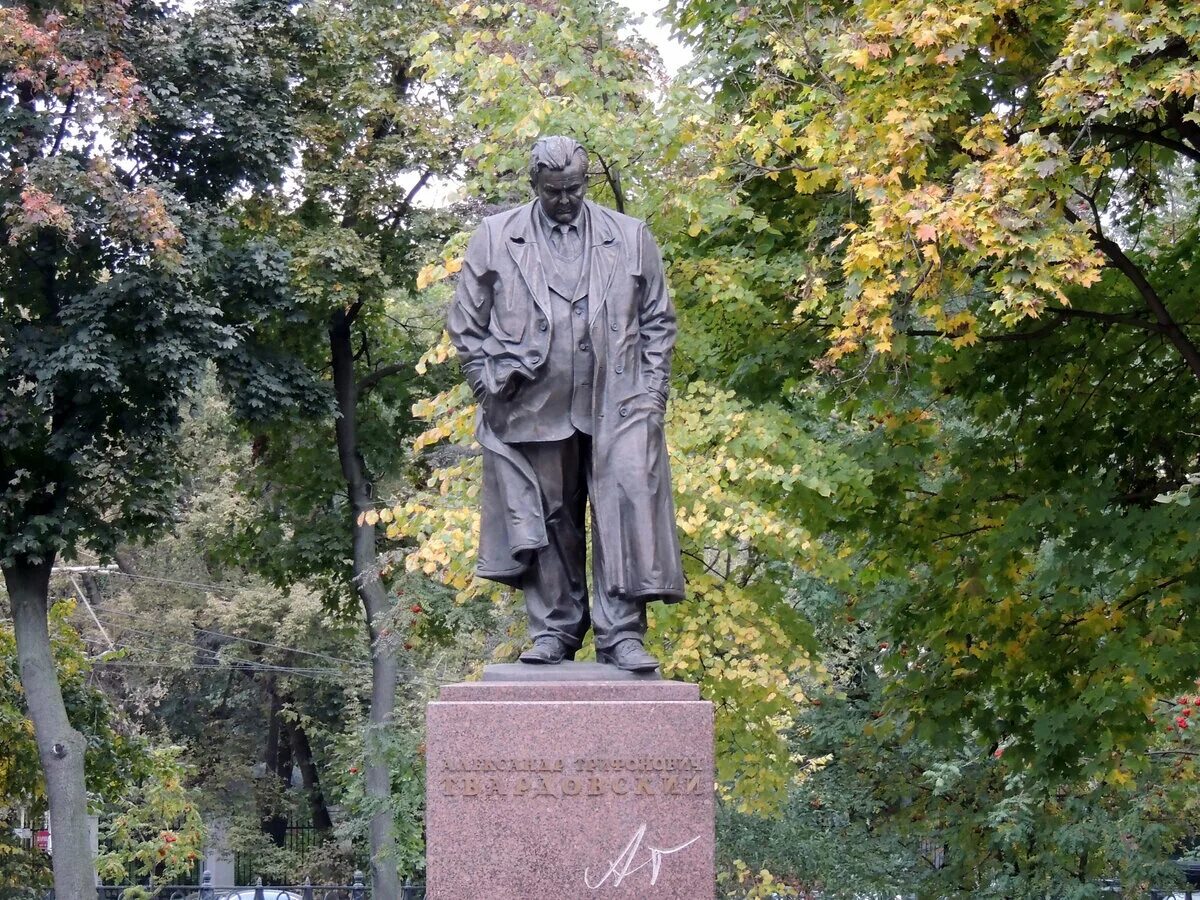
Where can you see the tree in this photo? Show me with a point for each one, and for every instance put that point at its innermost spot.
(984, 214)
(751, 481)
(117, 764)
(990, 142)
(945, 819)
(249, 680)
(346, 244)
(105, 325)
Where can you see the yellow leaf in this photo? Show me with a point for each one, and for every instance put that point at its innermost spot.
(1120, 777)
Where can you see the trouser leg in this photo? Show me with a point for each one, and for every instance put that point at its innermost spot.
(555, 585)
(615, 616)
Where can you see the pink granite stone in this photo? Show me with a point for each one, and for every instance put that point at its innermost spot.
(561, 691)
(563, 790)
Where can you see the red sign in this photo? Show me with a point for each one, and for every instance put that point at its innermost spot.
(41, 840)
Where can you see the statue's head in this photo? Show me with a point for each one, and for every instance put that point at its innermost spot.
(558, 172)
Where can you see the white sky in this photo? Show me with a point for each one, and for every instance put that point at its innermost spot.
(674, 54)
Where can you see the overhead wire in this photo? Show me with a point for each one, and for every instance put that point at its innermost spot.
(332, 676)
(316, 674)
(233, 637)
(215, 659)
(213, 632)
(409, 674)
(215, 588)
(212, 656)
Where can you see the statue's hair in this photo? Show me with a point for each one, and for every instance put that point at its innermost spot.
(555, 153)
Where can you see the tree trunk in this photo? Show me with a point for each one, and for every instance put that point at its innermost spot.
(385, 879)
(276, 758)
(302, 752)
(59, 745)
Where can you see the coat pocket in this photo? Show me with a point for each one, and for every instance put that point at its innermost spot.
(510, 316)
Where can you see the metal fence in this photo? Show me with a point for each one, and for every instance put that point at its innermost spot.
(296, 838)
(206, 890)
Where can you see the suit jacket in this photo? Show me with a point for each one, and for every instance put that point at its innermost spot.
(500, 324)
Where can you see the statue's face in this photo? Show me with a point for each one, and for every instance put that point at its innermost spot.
(561, 191)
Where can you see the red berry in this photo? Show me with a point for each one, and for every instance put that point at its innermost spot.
(1181, 722)
(416, 607)
(1187, 712)
(354, 770)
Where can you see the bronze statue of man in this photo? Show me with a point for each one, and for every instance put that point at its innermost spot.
(564, 328)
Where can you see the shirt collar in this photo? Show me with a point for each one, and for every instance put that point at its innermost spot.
(548, 225)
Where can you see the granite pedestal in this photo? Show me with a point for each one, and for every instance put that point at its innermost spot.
(569, 781)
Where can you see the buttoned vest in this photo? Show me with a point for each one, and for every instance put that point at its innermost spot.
(568, 372)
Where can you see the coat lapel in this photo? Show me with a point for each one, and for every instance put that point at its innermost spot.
(521, 242)
(604, 252)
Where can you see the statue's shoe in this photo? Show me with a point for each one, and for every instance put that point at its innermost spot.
(629, 655)
(547, 651)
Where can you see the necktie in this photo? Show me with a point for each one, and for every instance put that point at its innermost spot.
(566, 240)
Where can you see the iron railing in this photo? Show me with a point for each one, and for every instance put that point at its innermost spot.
(206, 890)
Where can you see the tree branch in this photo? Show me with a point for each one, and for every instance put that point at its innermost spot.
(406, 203)
(1153, 137)
(372, 379)
(68, 107)
(612, 175)
(1169, 327)
(1131, 319)
(991, 338)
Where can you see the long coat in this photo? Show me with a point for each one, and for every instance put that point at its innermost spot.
(500, 323)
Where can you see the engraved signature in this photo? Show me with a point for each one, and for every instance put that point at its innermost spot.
(626, 862)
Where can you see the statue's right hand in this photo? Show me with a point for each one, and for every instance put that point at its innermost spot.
(511, 385)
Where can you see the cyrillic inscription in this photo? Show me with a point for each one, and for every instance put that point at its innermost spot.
(558, 779)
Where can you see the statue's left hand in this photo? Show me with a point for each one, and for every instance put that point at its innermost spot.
(660, 403)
